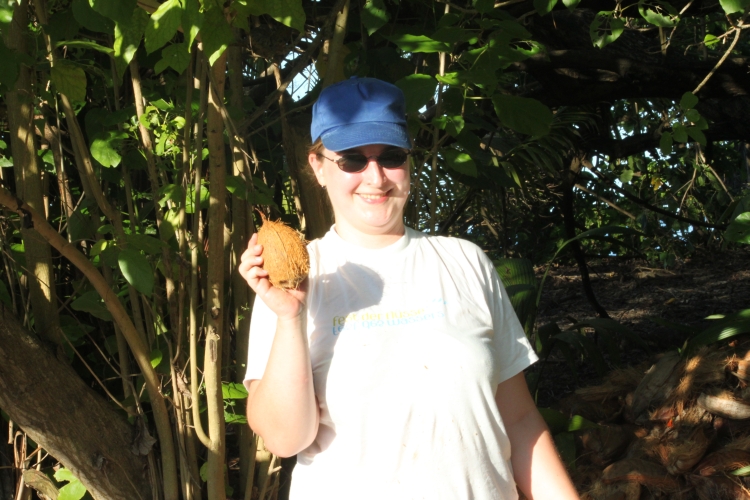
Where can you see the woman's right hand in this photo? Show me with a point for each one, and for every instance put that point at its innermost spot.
(286, 304)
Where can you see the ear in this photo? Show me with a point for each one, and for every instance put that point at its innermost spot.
(317, 167)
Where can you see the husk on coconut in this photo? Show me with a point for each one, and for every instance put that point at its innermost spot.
(285, 254)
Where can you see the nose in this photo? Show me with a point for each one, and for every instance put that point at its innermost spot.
(373, 173)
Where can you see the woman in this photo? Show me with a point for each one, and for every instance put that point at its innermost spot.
(395, 372)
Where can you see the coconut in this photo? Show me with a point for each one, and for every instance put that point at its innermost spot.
(285, 256)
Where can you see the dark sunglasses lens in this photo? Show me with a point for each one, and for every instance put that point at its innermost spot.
(352, 163)
(392, 159)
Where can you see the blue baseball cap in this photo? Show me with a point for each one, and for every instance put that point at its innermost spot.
(358, 112)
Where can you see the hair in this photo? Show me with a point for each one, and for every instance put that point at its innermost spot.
(316, 147)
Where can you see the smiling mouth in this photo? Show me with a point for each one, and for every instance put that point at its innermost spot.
(373, 196)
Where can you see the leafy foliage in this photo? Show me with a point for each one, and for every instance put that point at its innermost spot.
(498, 145)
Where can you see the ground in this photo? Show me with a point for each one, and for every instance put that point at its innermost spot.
(632, 291)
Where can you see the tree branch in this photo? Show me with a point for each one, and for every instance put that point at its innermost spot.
(645, 204)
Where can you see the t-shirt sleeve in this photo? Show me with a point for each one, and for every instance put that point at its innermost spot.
(512, 348)
(262, 330)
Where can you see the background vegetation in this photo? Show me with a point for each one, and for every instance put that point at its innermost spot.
(139, 139)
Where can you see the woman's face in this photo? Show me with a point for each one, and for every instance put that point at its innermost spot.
(368, 205)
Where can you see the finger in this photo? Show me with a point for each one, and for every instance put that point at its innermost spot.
(253, 241)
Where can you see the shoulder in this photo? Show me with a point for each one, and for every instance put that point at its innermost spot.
(450, 247)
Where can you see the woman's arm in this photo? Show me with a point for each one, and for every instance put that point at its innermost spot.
(281, 406)
(537, 468)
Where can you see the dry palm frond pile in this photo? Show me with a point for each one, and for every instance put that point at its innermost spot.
(679, 429)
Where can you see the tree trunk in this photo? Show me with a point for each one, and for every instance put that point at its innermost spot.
(51, 403)
(215, 290)
(20, 105)
(568, 212)
(242, 228)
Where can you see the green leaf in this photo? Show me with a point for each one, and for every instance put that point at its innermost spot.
(605, 28)
(156, 357)
(62, 25)
(744, 471)
(679, 133)
(74, 490)
(519, 280)
(62, 475)
(82, 44)
(566, 447)
(693, 115)
(451, 124)
(287, 12)
(162, 25)
(81, 225)
(117, 10)
(5, 297)
(69, 80)
(190, 199)
(544, 7)
(418, 90)
(147, 243)
(688, 101)
(128, 36)
(448, 19)
(739, 230)
(90, 302)
(524, 115)
(99, 247)
(192, 20)
(234, 418)
(658, 13)
(374, 15)
(418, 43)
(555, 420)
(232, 390)
(697, 135)
(237, 186)
(665, 143)
(110, 344)
(170, 223)
(577, 423)
(571, 4)
(454, 35)
(137, 270)
(105, 145)
(626, 176)
(175, 56)
(91, 19)
(732, 6)
(460, 162)
(483, 6)
(216, 33)
(710, 40)
(720, 330)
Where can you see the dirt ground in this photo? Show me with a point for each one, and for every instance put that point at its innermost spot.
(633, 291)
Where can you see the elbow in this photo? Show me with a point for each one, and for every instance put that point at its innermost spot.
(285, 445)
(287, 441)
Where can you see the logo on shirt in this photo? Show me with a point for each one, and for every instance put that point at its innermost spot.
(375, 319)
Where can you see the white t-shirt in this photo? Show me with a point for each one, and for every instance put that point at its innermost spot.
(408, 345)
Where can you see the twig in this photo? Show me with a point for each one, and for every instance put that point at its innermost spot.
(605, 200)
(647, 205)
(737, 31)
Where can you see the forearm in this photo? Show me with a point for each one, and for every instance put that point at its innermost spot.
(282, 406)
(537, 468)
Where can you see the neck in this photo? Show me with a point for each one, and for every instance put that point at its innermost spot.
(371, 241)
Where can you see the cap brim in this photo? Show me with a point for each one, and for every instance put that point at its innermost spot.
(355, 135)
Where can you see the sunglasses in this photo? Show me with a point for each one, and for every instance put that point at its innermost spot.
(353, 163)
